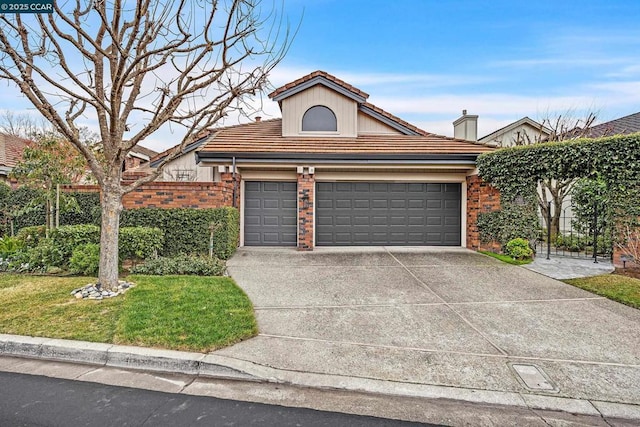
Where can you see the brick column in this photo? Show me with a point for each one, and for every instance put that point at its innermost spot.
(227, 189)
(306, 184)
(481, 197)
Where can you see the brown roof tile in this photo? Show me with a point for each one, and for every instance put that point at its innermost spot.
(397, 119)
(266, 137)
(319, 73)
(11, 149)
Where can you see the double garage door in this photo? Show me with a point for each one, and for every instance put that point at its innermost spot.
(356, 214)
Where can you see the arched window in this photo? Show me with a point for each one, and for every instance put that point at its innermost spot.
(319, 119)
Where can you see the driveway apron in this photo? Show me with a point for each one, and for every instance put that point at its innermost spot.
(435, 316)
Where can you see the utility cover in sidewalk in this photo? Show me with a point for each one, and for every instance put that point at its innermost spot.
(533, 377)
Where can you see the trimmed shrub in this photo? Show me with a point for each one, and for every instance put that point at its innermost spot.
(31, 236)
(39, 258)
(187, 231)
(67, 237)
(518, 249)
(85, 260)
(182, 264)
(511, 222)
(138, 243)
(226, 232)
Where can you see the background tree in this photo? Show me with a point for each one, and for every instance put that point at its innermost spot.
(134, 67)
(561, 127)
(48, 162)
(23, 125)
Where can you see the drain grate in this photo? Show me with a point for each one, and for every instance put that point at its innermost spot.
(533, 377)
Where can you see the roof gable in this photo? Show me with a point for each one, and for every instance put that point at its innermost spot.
(523, 121)
(322, 78)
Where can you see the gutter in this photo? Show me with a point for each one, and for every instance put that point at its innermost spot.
(422, 159)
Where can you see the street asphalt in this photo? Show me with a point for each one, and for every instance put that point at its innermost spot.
(426, 323)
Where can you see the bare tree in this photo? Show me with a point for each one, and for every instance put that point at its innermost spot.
(134, 67)
(23, 125)
(562, 127)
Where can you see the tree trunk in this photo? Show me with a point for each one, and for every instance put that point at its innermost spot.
(111, 204)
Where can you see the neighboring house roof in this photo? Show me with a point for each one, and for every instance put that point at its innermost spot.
(155, 160)
(264, 140)
(11, 149)
(144, 152)
(510, 127)
(623, 125)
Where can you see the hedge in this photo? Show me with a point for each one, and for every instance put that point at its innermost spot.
(187, 231)
(135, 242)
(31, 212)
(516, 170)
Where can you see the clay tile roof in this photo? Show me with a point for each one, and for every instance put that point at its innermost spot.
(11, 149)
(396, 119)
(623, 125)
(266, 137)
(315, 74)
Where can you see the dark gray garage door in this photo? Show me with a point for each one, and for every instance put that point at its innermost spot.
(270, 213)
(360, 213)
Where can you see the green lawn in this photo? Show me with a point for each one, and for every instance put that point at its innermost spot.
(506, 258)
(176, 312)
(625, 290)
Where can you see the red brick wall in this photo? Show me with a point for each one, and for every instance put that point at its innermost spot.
(306, 184)
(481, 197)
(618, 254)
(169, 195)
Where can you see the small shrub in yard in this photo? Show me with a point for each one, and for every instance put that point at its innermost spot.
(137, 243)
(182, 264)
(9, 246)
(67, 237)
(518, 249)
(31, 236)
(37, 259)
(85, 259)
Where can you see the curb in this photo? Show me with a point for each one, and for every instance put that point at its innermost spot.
(221, 367)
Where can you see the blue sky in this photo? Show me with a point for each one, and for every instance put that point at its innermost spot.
(427, 60)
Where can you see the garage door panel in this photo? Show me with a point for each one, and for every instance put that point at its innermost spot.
(389, 214)
(434, 220)
(270, 213)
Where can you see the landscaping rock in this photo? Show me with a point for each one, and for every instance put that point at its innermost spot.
(93, 291)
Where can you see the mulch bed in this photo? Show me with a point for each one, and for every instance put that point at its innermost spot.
(629, 272)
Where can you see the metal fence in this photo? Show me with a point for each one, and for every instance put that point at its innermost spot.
(574, 237)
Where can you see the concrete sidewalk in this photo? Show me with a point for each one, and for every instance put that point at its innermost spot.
(566, 267)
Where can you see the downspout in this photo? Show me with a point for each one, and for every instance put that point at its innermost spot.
(235, 183)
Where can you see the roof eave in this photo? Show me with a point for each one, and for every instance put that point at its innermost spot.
(408, 158)
(323, 81)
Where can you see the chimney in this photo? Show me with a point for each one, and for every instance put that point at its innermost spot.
(258, 119)
(466, 127)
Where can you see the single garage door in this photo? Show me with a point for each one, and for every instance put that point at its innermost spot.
(414, 214)
(270, 213)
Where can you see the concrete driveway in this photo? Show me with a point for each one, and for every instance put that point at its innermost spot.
(436, 317)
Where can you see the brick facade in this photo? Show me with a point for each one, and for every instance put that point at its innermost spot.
(306, 185)
(619, 255)
(170, 195)
(481, 197)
